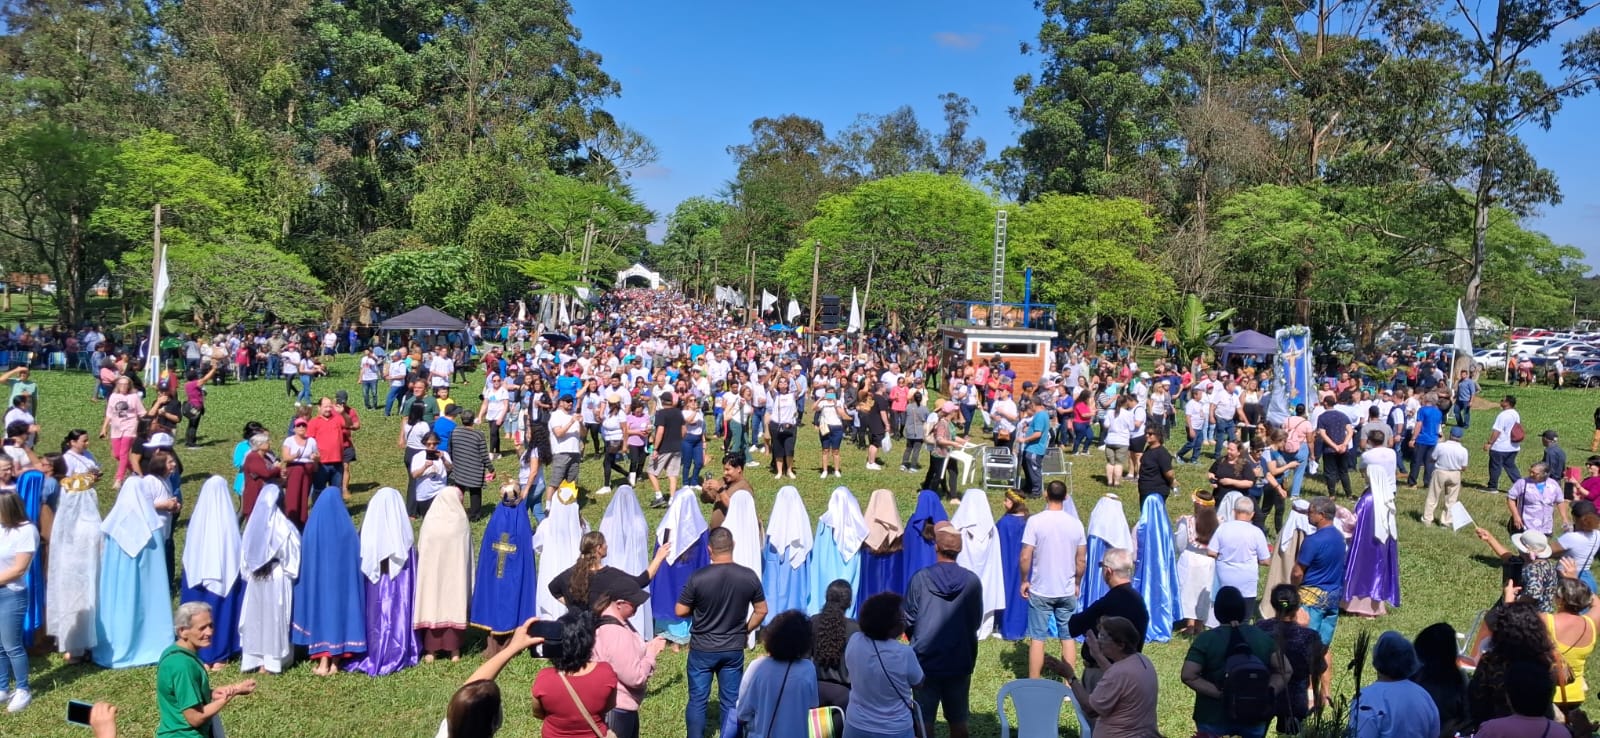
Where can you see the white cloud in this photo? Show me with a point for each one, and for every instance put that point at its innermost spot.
(956, 40)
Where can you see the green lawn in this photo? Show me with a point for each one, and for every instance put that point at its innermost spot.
(1445, 577)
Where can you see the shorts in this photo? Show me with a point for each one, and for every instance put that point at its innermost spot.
(668, 465)
(1136, 445)
(953, 691)
(1117, 455)
(1323, 621)
(1042, 609)
(833, 438)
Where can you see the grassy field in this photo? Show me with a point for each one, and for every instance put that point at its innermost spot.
(1445, 576)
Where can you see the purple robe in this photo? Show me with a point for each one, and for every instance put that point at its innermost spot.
(1371, 569)
(391, 643)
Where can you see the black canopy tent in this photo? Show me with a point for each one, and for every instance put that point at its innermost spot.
(422, 319)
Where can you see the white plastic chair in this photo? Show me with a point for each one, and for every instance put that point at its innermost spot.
(963, 457)
(1038, 703)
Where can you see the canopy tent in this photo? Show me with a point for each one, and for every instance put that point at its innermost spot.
(423, 319)
(639, 271)
(1247, 343)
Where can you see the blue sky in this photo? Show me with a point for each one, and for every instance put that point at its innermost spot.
(695, 74)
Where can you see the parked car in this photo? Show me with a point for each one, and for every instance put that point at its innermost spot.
(1491, 359)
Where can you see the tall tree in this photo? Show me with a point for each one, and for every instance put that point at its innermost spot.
(52, 180)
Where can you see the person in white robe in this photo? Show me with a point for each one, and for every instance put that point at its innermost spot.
(785, 557)
(741, 521)
(444, 576)
(269, 562)
(628, 547)
(1108, 529)
(72, 576)
(388, 563)
(980, 553)
(556, 540)
(211, 568)
(133, 619)
(1197, 569)
(840, 532)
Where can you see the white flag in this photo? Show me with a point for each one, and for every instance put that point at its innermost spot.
(719, 294)
(1463, 334)
(794, 309)
(158, 291)
(767, 301)
(562, 319)
(855, 314)
(522, 311)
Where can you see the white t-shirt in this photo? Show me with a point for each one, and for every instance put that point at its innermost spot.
(290, 363)
(1580, 547)
(1055, 537)
(440, 369)
(415, 433)
(611, 428)
(570, 442)
(433, 480)
(369, 369)
(397, 371)
(1194, 411)
(1503, 423)
(1120, 427)
(23, 539)
(1001, 414)
(495, 404)
(1240, 549)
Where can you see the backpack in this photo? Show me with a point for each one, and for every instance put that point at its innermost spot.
(1246, 683)
(1294, 436)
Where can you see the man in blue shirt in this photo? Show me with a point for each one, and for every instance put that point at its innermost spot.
(568, 383)
(1035, 441)
(1430, 419)
(1319, 572)
(1466, 390)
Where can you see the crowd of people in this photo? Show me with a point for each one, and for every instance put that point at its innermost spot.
(856, 608)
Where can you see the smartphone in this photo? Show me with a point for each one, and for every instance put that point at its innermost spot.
(433, 455)
(78, 712)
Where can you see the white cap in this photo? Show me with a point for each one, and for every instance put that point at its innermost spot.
(159, 440)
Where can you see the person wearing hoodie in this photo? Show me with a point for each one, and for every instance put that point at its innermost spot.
(944, 608)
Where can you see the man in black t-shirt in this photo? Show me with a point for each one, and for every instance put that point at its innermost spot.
(725, 603)
(1334, 430)
(1155, 465)
(667, 460)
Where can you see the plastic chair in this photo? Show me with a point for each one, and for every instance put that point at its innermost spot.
(963, 460)
(1038, 703)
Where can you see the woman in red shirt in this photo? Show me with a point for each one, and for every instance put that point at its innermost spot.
(575, 693)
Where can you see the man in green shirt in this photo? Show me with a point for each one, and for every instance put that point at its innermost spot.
(184, 697)
(1205, 667)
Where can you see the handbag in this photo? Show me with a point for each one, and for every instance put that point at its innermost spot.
(825, 722)
(573, 693)
(735, 728)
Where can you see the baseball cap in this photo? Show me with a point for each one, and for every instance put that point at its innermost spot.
(1549, 435)
(1457, 432)
(163, 440)
(342, 397)
(948, 407)
(564, 398)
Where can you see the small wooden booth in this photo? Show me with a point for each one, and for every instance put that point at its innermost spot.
(1020, 335)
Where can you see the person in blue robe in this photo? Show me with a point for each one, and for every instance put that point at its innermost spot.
(330, 607)
(1155, 573)
(133, 619)
(786, 554)
(30, 488)
(684, 529)
(211, 555)
(883, 552)
(1013, 625)
(836, 550)
(919, 532)
(504, 587)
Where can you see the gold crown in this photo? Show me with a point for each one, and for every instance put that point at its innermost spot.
(567, 493)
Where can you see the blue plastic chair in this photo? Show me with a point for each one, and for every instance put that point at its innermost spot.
(1038, 704)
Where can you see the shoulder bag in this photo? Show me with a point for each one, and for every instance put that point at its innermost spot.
(738, 730)
(916, 714)
(573, 693)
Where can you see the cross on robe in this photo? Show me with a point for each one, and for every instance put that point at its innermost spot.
(503, 548)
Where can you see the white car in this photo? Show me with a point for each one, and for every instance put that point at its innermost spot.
(1492, 359)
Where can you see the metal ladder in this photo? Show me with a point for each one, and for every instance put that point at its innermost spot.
(998, 284)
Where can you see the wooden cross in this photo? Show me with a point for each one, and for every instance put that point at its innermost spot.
(503, 548)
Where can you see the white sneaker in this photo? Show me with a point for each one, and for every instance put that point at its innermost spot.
(752, 462)
(777, 476)
(837, 474)
(603, 491)
(874, 467)
(824, 474)
(791, 475)
(19, 700)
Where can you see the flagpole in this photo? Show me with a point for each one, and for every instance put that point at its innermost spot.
(152, 368)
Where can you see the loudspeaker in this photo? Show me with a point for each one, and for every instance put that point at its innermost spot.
(828, 317)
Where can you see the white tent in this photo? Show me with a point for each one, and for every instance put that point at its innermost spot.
(639, 271)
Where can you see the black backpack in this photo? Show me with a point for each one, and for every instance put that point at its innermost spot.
(1246, 683)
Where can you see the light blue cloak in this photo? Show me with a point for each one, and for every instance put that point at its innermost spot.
(1155, 574)
(826, 565)
(134, 617)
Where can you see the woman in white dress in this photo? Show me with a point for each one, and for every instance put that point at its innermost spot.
(1196, 567)
(269, 563)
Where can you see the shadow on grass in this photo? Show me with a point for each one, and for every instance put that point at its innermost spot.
(1014, 659)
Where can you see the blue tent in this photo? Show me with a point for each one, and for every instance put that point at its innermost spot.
(1247, 343)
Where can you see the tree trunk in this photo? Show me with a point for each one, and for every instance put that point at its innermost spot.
(1483, 198)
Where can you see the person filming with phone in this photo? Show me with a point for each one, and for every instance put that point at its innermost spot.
(431, 470)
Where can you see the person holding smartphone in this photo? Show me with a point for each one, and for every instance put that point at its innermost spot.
(430, 469)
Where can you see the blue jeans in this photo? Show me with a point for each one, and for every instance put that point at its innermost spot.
(1232, 729)
(1033, 466)
(1463, 415)
(328, 475)
(1422, 458)
(728, 666)
(1192, 445)
(369, 394)
(1082, 437)
(305, 389)
(396, 394)
(758, 422)
(1304, 457)
(1502, 461)
(13, 652)
(1224, 434)
(967, 411)
(693, 459)
(273, 366)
